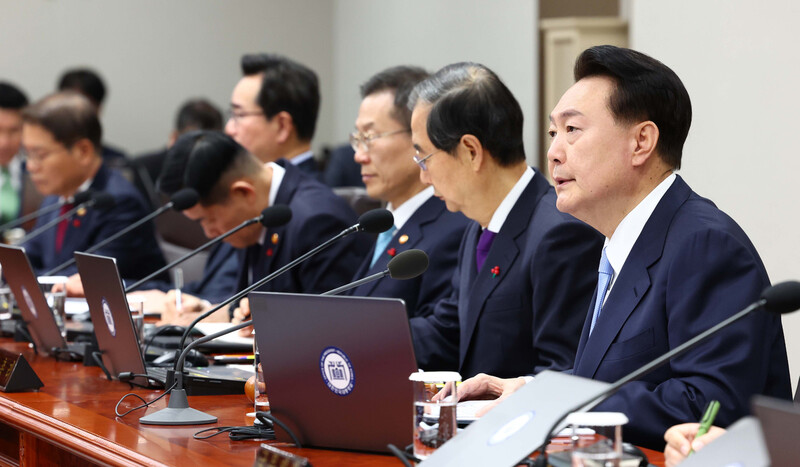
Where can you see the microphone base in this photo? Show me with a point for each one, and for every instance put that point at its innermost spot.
(178, 412)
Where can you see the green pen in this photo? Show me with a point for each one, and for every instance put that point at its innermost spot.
(708, 419)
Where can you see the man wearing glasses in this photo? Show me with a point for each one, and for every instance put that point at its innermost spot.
(382, 145)
(525, 271)
(274, 110)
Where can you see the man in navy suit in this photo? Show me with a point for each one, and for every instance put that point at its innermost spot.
(274, 110)
(525, 270)
(12, 101)
(673, 266)
(235, 186)
(61, 136)
(382, 145)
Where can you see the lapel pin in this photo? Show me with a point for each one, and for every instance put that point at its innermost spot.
(81, 211)
(275, 238)
(392, 252)
(269, 252)
(76, 223)
(403, 239)
(495, 271)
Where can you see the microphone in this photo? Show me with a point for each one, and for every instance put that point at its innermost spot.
(272, 216)
(406, 265)
(374, 221)
(180, 200)
(85, 199)
(77, 199)
(780, 298)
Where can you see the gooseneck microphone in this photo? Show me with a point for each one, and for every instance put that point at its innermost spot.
(272, 216)
(406, 265)
(77, 199)
(85, 199)
(780, 298)
(180, 200)
(374, 221)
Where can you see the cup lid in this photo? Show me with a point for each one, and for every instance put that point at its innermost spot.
(435, 376)
(52, 279)
(597, 418)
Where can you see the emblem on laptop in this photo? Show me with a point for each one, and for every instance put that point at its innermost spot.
(337, 371)
(511, 428)
(29, 301)
(109, 318)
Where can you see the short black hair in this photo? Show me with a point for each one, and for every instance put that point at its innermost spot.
(11, 97)
(287, 86)
(469, 98)
(198, 114)
(86, 82)
(207, 161)
(401, 81)
(645, 89)
(68, 116)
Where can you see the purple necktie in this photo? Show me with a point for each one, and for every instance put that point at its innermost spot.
(482, 251)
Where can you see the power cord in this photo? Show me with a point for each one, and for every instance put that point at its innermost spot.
(146, 404)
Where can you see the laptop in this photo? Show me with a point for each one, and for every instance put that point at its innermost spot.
(36, 313)
(780, 424)
(337, 368)
(119, 344)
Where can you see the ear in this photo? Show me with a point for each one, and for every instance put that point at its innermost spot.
(645, 138)
(244, 189)
(473, 149)
(284, 126)
(173, 136)
(84, 151)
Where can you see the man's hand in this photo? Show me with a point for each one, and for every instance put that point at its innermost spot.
(483, 386)
(681, 439)
(191, 307)
(74, 286)
(241, 314)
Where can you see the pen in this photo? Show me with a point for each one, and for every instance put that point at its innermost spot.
(708, 419)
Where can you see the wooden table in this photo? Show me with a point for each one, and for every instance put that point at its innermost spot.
(71, 421)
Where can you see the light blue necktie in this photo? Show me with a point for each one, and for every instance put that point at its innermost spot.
(383, 240)
(604, 274)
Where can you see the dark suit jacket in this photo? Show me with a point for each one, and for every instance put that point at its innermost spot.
(317, 215)
(691, 268)
(528, 317)
(218, 282)
(340, 167)
(433, 230)
(309, 167)
(137, 253)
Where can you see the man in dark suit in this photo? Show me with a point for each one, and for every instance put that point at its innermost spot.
(382, 145)
(274, 110)
(61, 135)
(525, 270)
(235, 186)
(674, 265)
(12, 101)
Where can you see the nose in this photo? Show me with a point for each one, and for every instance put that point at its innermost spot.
(555, 153)
(361, 156)
(230, 127)
(425, 177)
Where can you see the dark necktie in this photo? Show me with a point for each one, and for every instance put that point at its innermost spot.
(484, 244)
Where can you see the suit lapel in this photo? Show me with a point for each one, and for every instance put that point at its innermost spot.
(632, 283)
(502, 254)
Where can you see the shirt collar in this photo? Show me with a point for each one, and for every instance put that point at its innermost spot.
(619, 246)
(302, 157)
(277, 177)
(501, 213)
(404, 212)
(84, 186)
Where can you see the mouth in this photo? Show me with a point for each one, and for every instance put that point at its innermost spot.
(365, 177)
(560, 182)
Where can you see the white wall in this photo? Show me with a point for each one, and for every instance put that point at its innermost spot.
(155, 54)
(739, 62)
(372, 35)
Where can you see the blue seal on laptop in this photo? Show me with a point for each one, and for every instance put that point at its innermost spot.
(511, 428)
(109, 317)
(29, 301)
(337, 371)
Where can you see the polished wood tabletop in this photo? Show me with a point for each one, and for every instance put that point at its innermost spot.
(71, 420)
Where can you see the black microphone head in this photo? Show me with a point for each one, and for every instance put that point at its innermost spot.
(83, 196)
(376, 221)
(408, 264)
(103, 200)
(275, 216)
(184, 199)
(782, 298)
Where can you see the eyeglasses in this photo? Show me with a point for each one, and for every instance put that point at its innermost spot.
(421, 160)
(357, 139)
(35, 157)
(236, 115)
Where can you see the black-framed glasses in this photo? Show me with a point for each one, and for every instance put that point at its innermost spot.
(421, 160)
(357, 139)
(237, 115)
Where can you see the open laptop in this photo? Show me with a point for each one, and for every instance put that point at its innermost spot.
(119, 345)
(337, 368)
(36, 313)
(780, 424)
